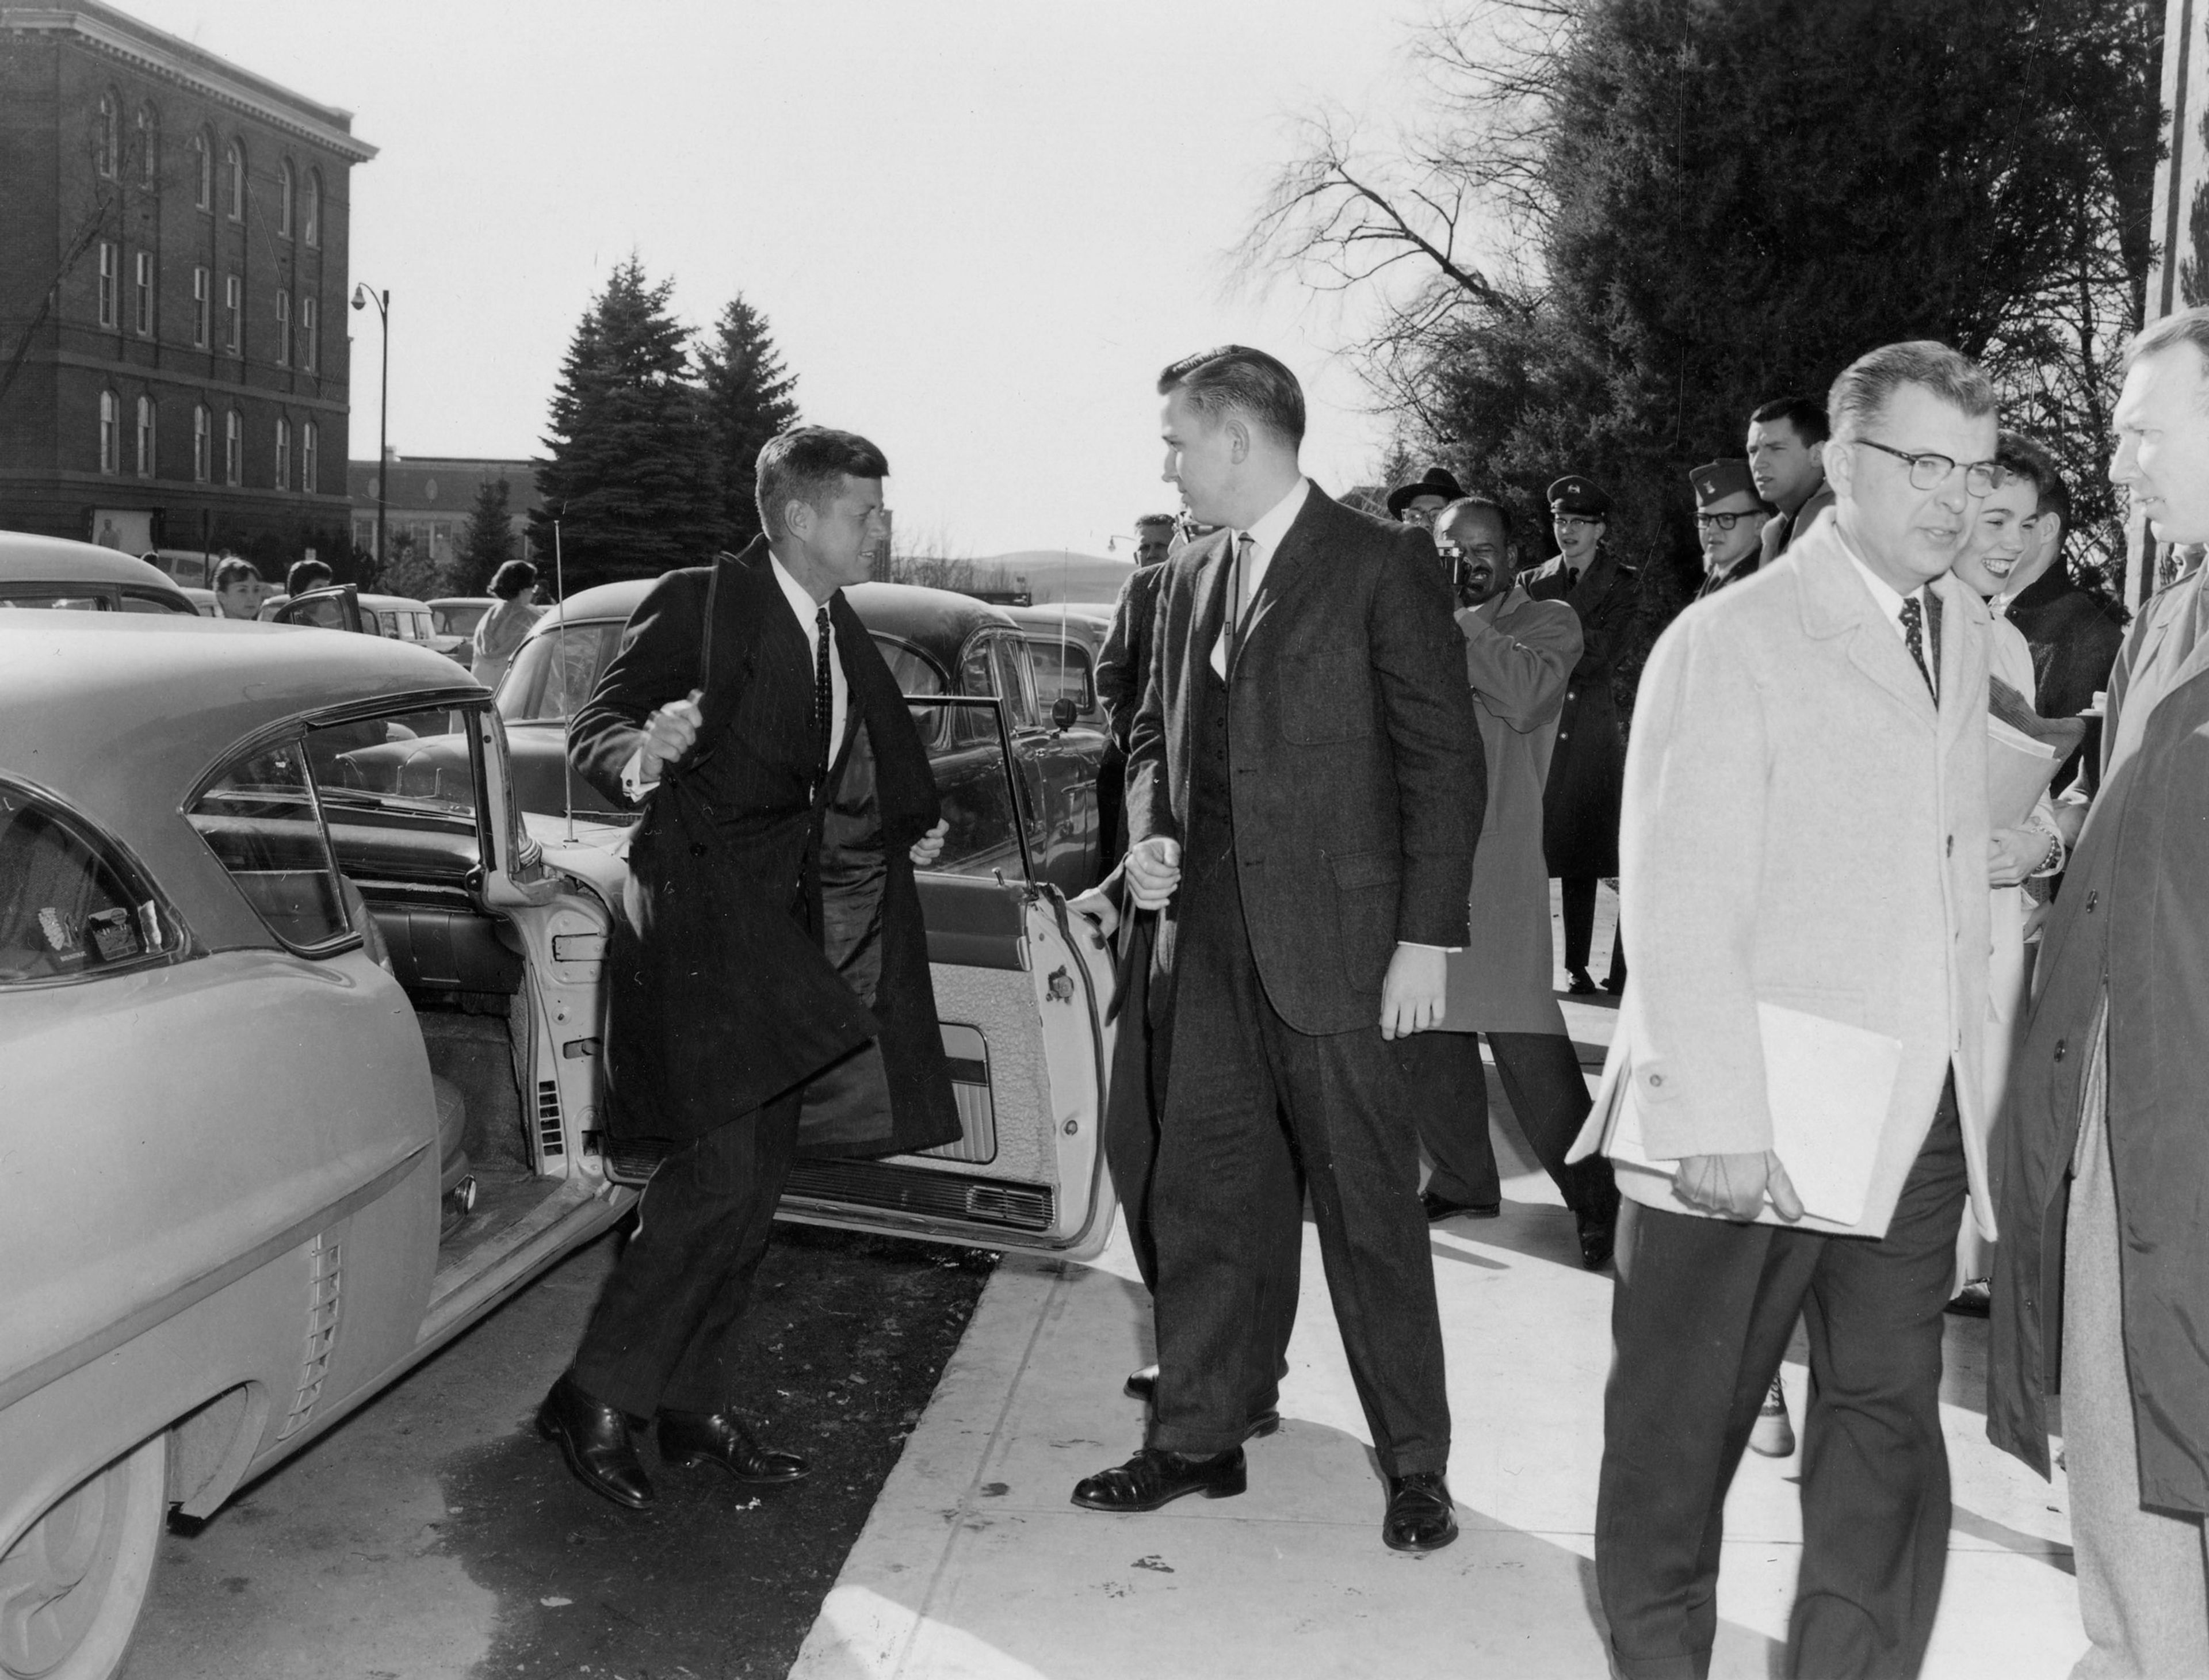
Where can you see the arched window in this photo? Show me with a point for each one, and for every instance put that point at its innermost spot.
(146, 437)
(310, 357)
(283, 329)
(111, 427)
(233, 169)
(312, 215)
(234, 449)
(106, 141)
(310, 457)
(202, 163)
(202, 442)
(149, 156)
(284, 198)
(283, 454)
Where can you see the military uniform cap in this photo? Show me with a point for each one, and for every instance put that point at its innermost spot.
(1715, 480)
(1574, 494)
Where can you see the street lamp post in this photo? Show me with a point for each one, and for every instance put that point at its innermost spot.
(362, 297)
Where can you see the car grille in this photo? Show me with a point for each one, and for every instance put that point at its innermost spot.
(552, 1143)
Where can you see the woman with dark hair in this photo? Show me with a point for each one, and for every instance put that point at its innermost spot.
(500, 631)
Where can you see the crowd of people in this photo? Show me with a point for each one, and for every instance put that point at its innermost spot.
(1349, 756)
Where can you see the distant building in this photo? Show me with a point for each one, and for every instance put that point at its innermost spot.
(173, 354)
(430, 498)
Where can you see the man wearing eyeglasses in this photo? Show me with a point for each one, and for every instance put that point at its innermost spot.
(1729, 518)
(1805, 865)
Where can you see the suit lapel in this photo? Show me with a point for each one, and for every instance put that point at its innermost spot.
(1291, 562)
(1209, 599)
(1837, 602)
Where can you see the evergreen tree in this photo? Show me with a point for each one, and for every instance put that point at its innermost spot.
(488, 542)
(630, 476)
(749, 398)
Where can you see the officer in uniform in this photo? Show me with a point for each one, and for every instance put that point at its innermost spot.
(1730, 518)
(1587, 772)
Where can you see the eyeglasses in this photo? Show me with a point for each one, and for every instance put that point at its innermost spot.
(1725, 521)
(1487, 552)
(1572, 522)
(1930, 471)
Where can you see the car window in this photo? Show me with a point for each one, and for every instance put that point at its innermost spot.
(134, 602)
(68, 908)
(978, 675)
(1013, 687)
(260, 818)
(974, 787)
(36, 598)
(456, 620)
(406, 769)
(555, 671)
(327, 612)
(914, 672)
(1062, 672)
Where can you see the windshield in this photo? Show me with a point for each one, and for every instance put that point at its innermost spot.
(459, 619)
(555, 671)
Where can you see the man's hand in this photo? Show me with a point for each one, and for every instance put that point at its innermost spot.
(1411, 996)
(1153, 872)
(1097, 907)
(2012, 854)
(930, 846)
(1734, 1186)
(668, 733)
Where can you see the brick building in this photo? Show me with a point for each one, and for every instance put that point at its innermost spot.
(429, 500)
(173, 349)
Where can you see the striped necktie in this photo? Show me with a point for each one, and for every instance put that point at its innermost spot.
(824, 701)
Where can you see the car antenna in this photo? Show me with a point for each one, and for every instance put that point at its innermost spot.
(560, 654)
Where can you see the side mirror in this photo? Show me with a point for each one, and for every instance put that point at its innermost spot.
(1062, 715)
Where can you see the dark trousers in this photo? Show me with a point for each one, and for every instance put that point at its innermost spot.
(1548, 1096)
(1699, 1322)
(1247, 1099)
(1576, 904)
(666, 1334)
(1111, 807)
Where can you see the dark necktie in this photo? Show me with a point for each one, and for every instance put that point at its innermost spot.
(1913, 633)
(1237, 582)
(824, 701)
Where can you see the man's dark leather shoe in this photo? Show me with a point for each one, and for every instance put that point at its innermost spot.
(1577, 983)
(1155, 1477)
(1438, 1208)
(595, 1440)
(1598, 1237)
(690, 1438)
(1142, 1385)
(1421, 1517)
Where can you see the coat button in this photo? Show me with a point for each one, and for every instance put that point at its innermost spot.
(2062, 1045)
(1656, 1078)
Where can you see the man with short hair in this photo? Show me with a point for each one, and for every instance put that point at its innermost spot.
(1519, 655)
(1787, 458)
(1805, 859)
(1305, 785)
(306, 575)
(1123, 665)
(1730, 518)
(2103, 1159)
(768, 987)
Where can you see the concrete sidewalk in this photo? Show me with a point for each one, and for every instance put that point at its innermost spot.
(974, 1565)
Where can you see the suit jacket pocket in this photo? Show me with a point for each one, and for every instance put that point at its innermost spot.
(1366, 887)
(1324, 698)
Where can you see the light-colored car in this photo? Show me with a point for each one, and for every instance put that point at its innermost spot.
(55, 574)
(342, 606)
(453, 621)
(204, 600)
(212, 834)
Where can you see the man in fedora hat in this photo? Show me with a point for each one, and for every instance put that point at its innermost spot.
(1730, 518)
(1417, 501)
(1587, 771)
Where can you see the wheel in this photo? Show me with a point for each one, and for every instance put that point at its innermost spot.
(71, 1588)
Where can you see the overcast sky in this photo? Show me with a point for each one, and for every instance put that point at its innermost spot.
(978, 228)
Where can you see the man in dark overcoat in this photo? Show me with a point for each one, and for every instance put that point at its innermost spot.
(1587, 770)
(2102, 1161)
(1305, 786)
(769, 990)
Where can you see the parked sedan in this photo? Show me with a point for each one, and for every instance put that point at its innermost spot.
(936, 642)
(210, 1258)
(53, 572)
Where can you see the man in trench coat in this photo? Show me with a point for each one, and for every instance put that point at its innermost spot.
(2102, 1159)
(769, 985)
(1519, 655)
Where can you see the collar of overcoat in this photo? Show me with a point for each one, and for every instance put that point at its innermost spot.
(1835, 603)
(1295, 561)
(755, 625)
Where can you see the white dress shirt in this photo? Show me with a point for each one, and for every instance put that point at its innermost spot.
(1265, 533)
(1890, 602)
(807, 610)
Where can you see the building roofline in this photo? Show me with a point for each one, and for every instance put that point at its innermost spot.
(121, 36)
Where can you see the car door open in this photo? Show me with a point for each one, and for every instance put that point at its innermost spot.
(334, 609)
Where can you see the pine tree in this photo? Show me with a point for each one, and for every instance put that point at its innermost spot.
(630, 476)
(749, 398)
(488, 542)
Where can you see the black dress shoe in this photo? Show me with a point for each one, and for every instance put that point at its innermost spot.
(688, 1439)
(1577, 983)
(1437, 1208)
(1142, 1385)
(1598, 1239)
(1421, 1516)
(595, 1440)
(1155, 1477)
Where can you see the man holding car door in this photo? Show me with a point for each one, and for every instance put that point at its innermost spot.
(1805, 864)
